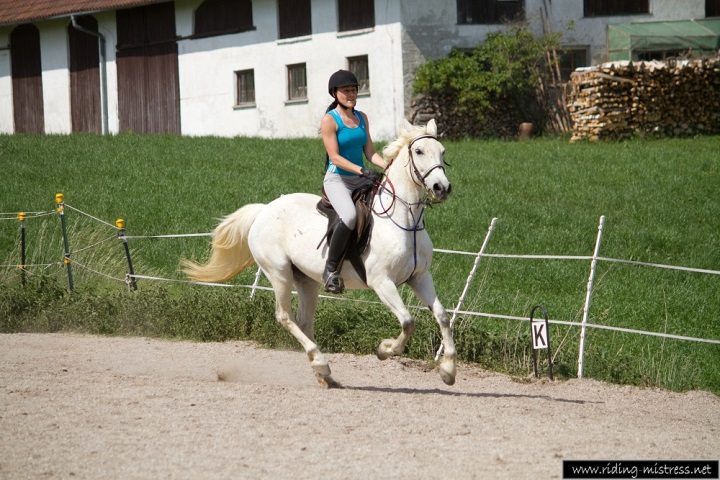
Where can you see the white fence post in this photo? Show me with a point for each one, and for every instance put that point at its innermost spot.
(588, 296)
(256, 282)
(468, 282)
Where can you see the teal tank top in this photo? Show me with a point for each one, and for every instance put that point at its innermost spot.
(351, 142)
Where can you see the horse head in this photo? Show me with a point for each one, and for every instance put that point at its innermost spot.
(425, 158)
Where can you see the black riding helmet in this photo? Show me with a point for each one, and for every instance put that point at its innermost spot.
(341, 78)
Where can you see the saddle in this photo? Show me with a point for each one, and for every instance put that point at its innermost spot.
(359, 240)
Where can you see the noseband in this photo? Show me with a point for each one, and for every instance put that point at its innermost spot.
(416, 173)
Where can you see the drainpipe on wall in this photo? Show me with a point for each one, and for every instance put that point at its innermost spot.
(103, 71)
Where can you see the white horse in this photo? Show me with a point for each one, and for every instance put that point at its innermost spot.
(283, 237)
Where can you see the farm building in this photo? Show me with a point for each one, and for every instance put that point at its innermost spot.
(260, 67)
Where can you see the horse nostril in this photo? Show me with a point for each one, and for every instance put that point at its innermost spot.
(440, 191)
(449, 188)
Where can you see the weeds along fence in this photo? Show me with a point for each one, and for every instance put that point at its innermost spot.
(69, 261)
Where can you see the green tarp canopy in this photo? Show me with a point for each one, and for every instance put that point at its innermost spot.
(626, 40)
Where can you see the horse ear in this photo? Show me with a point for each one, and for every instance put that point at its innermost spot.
(407, 126)
(431, 128)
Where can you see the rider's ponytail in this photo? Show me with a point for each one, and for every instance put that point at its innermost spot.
(331, 106)
(327, 157)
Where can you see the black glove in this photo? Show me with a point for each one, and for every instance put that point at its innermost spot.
(372, 175)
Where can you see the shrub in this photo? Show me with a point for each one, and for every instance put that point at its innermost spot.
(489, 91)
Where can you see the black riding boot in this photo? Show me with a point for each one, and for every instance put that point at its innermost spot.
(336, 250)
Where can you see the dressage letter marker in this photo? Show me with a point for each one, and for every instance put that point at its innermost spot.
(540, 333)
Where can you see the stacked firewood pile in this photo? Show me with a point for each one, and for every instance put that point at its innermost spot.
(623, 99)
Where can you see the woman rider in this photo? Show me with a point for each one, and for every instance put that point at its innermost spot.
(346, 135)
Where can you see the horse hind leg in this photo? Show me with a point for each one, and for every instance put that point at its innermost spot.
(308, 290)
(283, 314)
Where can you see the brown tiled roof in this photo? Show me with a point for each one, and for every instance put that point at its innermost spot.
(22, 11)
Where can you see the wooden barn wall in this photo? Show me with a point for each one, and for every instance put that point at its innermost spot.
(27, 87)
(85, 77)
(147, 64)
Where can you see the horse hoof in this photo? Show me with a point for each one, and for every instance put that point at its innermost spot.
(322, 373)
(385, 350)
(321, 369)
(326, 381)
(448, 379)
(447, 373)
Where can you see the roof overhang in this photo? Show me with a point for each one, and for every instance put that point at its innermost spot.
(15, 12)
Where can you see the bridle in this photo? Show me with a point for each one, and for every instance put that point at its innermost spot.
(416, 175)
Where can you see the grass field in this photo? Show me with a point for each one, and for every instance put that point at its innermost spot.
(660, 199)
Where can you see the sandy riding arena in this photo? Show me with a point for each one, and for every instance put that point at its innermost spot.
(86, 407)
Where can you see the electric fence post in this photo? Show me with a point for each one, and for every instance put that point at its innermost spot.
(21, 217)
(60, 200)
(120, 224)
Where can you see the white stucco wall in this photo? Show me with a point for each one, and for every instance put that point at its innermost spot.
(207, 81)
(107, 28)
(55, 76)
(7, 123)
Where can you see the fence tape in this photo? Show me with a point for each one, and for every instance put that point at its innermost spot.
(455, 312)
(77, 264)
(90, 216)
(179, 235)
(590, 325)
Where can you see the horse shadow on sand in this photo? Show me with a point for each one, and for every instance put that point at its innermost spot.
(437, 391)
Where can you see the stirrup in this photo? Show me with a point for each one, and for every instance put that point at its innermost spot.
(334, 283)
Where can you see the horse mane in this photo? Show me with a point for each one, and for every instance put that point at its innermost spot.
(407, 133)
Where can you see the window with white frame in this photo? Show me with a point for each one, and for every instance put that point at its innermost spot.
(245, 87)
(359, 66)
(297, 81)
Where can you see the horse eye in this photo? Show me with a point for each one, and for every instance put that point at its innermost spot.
(418, 151)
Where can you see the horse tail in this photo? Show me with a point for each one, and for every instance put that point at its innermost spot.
(230, 252)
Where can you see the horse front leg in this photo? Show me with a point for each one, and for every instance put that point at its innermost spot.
(389, 295)
(425, 290)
